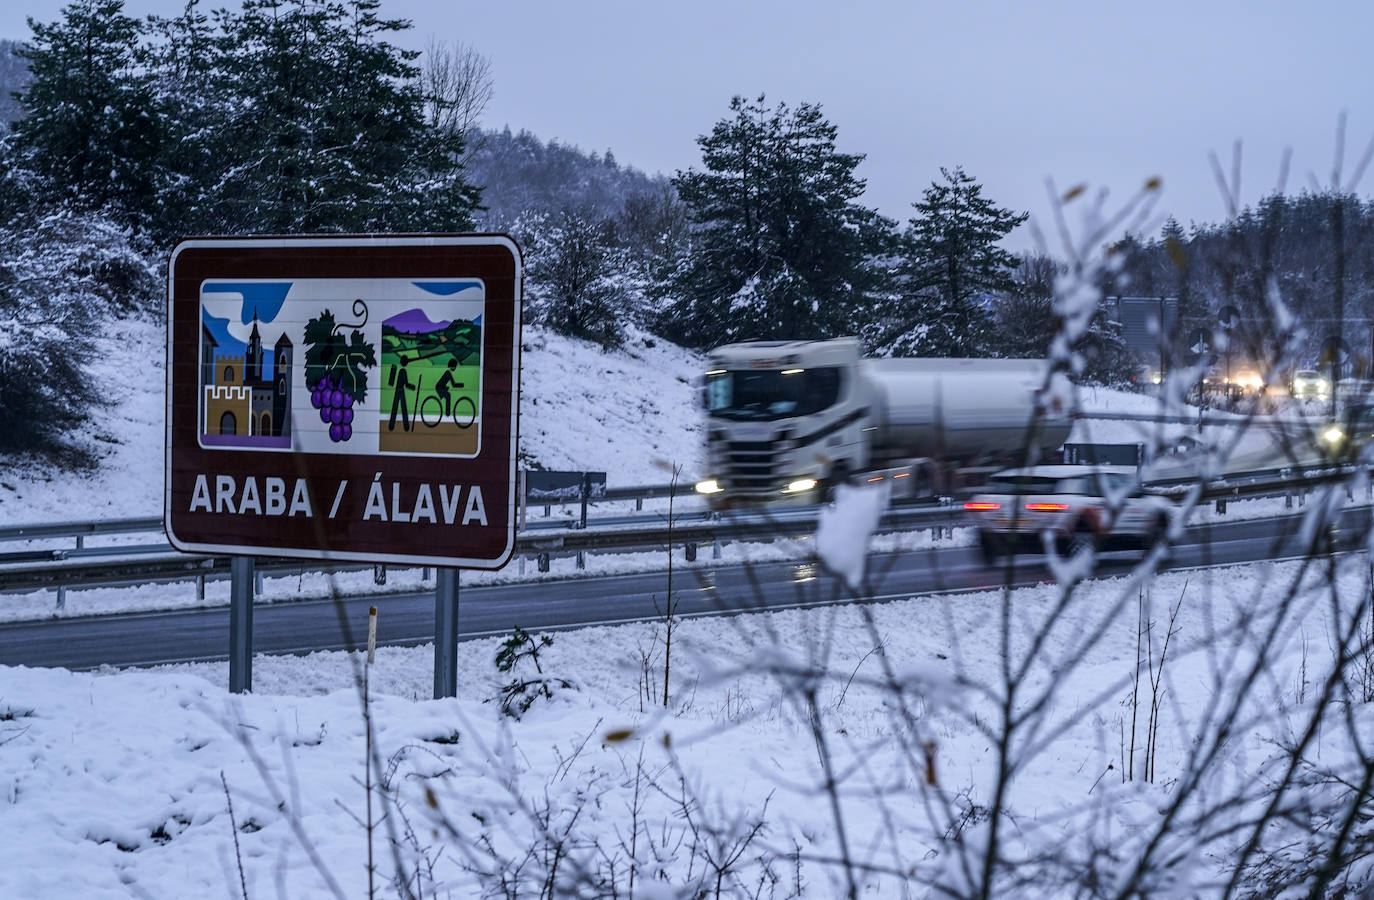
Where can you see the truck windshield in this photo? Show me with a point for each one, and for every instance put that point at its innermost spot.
(771, 394)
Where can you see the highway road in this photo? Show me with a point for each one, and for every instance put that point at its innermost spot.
(151, 638)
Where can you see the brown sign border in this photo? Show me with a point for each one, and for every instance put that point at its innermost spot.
(494, 258)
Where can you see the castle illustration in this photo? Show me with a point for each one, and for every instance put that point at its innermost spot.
(242, 404)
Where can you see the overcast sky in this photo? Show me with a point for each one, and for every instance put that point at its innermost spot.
(1094, 93)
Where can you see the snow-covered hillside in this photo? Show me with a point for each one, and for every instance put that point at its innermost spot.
(631, 413)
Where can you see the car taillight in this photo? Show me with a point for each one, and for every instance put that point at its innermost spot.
(1047, 507)
(982, 507)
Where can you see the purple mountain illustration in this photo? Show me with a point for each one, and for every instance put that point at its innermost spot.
(414, 321)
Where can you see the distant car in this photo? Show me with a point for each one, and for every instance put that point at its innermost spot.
(1081, 506)
(1346, 438)
(1214, 385)
(1309, 385)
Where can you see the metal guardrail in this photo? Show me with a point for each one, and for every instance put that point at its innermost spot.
(80, 565)
(80, 530)
(83, 566)
(160, 562)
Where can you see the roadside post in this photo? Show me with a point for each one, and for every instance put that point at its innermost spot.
(241, 624)
(349, 398)
(446, 633)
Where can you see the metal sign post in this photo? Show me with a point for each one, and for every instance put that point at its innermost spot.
(241, 624)
(446, 633)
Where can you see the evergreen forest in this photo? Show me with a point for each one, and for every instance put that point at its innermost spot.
(120, 135)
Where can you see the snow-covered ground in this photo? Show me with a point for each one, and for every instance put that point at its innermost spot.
(159, 783)
(115, 783)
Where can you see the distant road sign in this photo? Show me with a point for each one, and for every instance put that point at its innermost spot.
(1334, 350)
(1199, 344)
(350, 397)
(545, 486)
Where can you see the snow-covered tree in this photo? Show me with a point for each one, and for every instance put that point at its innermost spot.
(61, 273)
(88, 128)
(521, 174)
(576, 276)
(297, 115)
(1024, 323)
(780, 247)
(192, 98)
(953, 262)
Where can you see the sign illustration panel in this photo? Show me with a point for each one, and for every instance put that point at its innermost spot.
(376, 365)
(366, 384)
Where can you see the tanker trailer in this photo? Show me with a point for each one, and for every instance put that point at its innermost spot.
(789, 420)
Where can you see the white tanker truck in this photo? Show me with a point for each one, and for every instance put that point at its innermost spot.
(788, 420)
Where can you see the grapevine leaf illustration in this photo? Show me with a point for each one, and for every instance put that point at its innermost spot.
(320, 348)
(329, 356)
(360, 355)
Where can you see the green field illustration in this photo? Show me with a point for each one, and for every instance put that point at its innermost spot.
(430, 385)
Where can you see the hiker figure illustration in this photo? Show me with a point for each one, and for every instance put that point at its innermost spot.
(446, 381)
(400, 386)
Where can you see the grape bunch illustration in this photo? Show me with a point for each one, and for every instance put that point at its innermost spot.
(335, 406)
(334, 369)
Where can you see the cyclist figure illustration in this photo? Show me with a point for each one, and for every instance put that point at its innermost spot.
(447, 381)
(400, 384)
(444, 403)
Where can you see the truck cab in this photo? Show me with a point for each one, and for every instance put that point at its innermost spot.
(784, 420)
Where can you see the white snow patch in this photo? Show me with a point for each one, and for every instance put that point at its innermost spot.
(844, 528)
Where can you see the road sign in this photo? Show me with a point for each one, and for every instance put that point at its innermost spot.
(1200, 345)
(542, 486)
(344, 398)
(1334, 350)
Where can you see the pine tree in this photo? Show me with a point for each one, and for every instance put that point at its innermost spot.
(328, 131)
(88, 129)
(1103, 354)
(183, 59)
(1024, 319)
(1177, 280)
(1025, 325)
(576, 276)
(780, 247)
(952, 262)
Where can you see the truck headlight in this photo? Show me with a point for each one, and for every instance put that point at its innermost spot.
(800, 486)
(709, 486)
(1333, 435)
